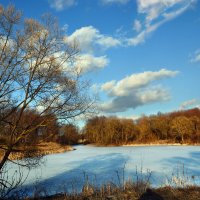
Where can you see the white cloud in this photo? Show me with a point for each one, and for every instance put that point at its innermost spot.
(153, 8)
(107, 41)
(114, 1)
(135, 90)
(85, 37)
(189, 104)
(108, 86)
(88, 62)
(137, 25)
(155, 14)
(140, 38)
(88, 37)
(62, 4)
(151, 15)
(82, 63)
(135, 99)
(89, 40)
(196, 56)
(153, 94)
(136, 81)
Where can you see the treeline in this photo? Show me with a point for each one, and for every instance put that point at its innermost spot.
(180, 126)
(42, 129)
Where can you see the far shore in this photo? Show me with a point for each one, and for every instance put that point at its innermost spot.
(145, 144)
(157, 144)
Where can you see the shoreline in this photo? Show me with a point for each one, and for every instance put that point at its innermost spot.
(46, 148)
(157, 144)
(144, 144)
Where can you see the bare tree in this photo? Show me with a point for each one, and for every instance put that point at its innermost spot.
(37, 74)
(182, 127)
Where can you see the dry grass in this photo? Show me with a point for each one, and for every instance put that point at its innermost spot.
(45, 148)
(164, 193)
(52, 147)
(162, 143)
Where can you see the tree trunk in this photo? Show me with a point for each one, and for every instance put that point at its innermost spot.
(182, 138)
(5, 158)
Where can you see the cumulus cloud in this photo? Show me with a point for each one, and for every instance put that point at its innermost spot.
(136, 81)
(82, 63)
(62, 4)
(155, 14)
(108, 86)
(135, 90)
(189, 104)
(115, 1)
(135, 99)
(89, 37)
(88, 62)
(107, 41)
(89, 40)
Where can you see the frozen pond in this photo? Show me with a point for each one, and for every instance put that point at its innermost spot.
(67, 171)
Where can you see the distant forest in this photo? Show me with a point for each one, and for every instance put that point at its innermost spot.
(175, 127)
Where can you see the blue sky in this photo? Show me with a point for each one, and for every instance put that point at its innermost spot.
(142, 56)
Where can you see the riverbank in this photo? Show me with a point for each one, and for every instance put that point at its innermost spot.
(45, 148)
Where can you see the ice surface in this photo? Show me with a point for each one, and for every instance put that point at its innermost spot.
(68, 171)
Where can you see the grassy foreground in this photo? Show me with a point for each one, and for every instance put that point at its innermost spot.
(164, 193)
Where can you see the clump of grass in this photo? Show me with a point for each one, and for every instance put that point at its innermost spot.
(181, 178)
